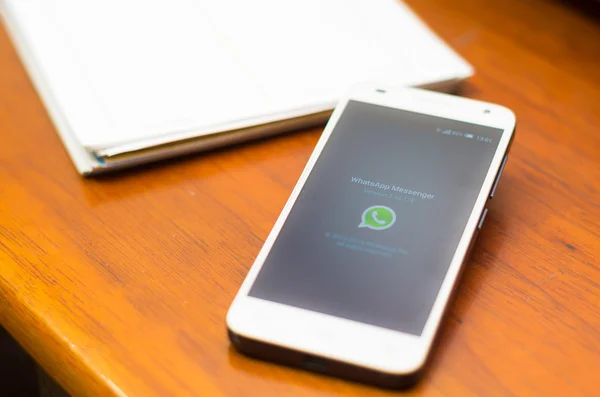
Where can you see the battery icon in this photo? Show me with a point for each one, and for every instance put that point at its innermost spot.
(470, 136)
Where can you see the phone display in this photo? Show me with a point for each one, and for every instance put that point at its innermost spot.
(376, 225)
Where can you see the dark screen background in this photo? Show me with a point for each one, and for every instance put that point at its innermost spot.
(322, 261)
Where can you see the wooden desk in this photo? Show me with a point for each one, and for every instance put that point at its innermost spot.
(120, 285)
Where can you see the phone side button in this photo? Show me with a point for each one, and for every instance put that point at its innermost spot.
(482, 219)
(498, 176)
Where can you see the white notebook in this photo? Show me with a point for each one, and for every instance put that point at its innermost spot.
(131, 81)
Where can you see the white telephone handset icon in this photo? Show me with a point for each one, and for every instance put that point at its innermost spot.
(376, 219)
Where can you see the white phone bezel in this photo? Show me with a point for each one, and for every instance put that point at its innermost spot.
(348, 341)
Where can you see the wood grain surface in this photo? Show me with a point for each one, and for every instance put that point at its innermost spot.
(120, 285)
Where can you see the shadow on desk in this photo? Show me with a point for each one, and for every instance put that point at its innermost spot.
(20, 376)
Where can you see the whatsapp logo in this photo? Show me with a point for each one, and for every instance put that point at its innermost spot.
(378, 217)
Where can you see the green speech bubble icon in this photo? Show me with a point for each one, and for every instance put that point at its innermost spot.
(378, 217)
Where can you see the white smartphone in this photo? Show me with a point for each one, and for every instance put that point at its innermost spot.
(355, 276)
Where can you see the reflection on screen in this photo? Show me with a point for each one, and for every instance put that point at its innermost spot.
(372, 233)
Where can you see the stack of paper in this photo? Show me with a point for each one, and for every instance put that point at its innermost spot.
(130, 81)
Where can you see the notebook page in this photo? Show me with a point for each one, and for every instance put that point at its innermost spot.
(132, 69)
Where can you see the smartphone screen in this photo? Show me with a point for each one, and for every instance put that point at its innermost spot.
(372, 233)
